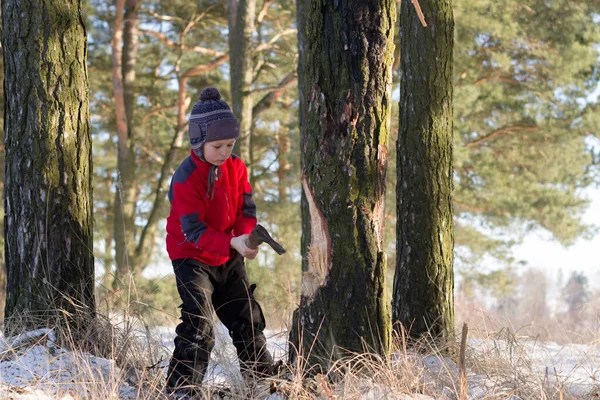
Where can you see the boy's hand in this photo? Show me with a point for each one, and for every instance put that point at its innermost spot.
(238, 243)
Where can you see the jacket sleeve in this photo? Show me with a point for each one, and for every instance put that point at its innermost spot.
(191, 208)
(246, 212)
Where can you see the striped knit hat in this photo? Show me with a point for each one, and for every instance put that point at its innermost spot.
(211, 120)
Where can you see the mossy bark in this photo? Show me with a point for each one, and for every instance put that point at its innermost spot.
(48, 193)
(346, 54)
(423, 283)
(2, 264)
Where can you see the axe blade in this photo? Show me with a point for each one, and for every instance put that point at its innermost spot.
(260, 235)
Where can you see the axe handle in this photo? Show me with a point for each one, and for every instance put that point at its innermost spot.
(253, 241)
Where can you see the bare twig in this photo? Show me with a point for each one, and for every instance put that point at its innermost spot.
(419, 12)
(461, 363)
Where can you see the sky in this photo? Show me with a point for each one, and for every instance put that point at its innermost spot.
(540, 251)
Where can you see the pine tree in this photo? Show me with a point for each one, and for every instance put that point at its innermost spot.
(522, 72)
(345, 100)
(424, 282)
(48, 192)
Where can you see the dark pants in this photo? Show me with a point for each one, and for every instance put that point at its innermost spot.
(225, 290)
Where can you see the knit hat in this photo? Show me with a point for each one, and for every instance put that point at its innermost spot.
(211, 120)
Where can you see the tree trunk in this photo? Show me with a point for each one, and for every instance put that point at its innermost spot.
(109, 239)
(423, 298)
(2, 263)
(126, 193)
(346, 54)
(148, 235)
(283, 169)
(48, 193)
(242, 18)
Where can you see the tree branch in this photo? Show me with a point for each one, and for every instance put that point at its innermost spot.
(155, 111)
(159, 17)
(174, 45)
(263, 12)
(200, 69)
(492, 78)
(269, 44)
(270, 98)
(500, 131)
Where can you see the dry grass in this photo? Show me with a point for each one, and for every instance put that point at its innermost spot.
(97, 359)
(499, 366)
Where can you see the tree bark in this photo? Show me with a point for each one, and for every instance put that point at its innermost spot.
(48, 193)
(2, 260)
(423, 300)
(242, 20)
(346, 54)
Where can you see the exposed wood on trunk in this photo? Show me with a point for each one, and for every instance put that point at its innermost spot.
(318, 254)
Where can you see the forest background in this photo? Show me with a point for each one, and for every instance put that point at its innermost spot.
(526, 149)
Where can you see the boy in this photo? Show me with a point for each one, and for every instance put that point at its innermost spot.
(212, 213)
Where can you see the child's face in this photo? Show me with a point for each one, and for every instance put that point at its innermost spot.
(218, 151)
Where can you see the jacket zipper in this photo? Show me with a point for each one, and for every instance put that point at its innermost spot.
(228, 215)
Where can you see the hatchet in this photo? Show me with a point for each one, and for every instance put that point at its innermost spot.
(260, 235)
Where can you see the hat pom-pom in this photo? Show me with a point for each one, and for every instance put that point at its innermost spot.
(210, 93)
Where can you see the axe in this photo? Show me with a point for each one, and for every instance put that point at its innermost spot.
(260, 235)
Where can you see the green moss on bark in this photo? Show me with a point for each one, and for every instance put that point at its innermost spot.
(345, 105)
(48, 224)
(423, 283)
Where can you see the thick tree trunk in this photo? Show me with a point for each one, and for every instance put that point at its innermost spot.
(346, 54)
(423, 284)
(48, 193)
(126, 194)
(242, 20)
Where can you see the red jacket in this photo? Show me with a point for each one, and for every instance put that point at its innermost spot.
(199, 227)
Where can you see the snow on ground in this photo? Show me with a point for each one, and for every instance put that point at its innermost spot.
(575, 367)
(33, 367)
(40, 370)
